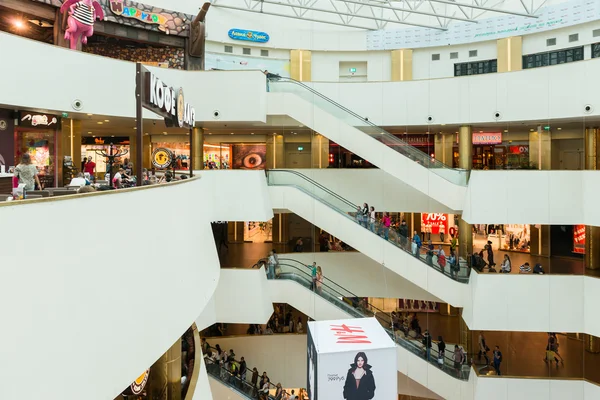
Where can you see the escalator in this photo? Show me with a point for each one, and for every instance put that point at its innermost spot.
(357, 134)
(315, 203)
(356, 307)
(241, 385)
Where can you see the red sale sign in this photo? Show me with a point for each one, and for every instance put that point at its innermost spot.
(579, 239)
(435, 222)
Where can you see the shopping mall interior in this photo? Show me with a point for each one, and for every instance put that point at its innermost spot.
(313, 200)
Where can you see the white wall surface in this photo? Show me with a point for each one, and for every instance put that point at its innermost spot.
(353, 139)
(109, 87)
(533, 197)
(326, 65)
(362, 276)
(59, 294)
(375, 187)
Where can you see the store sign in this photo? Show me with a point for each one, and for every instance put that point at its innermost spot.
(487, 138)
(434, 222)
(579, 239)
(118, 8)
(33, 120)
(102, 140)
(3, 125)
(140, 383)
(248, 36)
(523, 149)
(162, 158)
(168, 102)
(349, 334)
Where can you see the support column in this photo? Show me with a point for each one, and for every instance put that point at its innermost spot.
(510, 54)
(281, 228)
(540, 240)
(465, 161)
(165, 375)
(540, 149)
(198, 148)
(301, 65)
(146, 152)
(235, 232)
(443, 148)
(319, 151)
(592, 233)
(275, 152)
(402, 61)
(71, 142)
(466, 337)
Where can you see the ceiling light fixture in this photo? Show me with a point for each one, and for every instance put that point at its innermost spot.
(89, 132)
(560, 129)
(252, 133)
(232, 133)
(106, 120)
(89, 115)
(18, 24)
(100, 122)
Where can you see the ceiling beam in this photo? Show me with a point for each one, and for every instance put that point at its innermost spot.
(408, 10)
(351, 15)
(368, 28)
(455, 3)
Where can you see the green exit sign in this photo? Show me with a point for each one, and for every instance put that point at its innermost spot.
(300, 148)
(353, 70)
(547, 128)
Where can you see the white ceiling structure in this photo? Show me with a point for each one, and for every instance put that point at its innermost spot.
(388, 14)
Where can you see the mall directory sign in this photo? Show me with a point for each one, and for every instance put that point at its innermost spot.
(350, 359)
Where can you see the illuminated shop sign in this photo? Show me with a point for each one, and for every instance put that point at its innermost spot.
(162, 158)
(579, 239)
(119, 8)
(434, 222)
(30, 119)
(168, 102)
(140, 383)
(487, 138)
(249, 36)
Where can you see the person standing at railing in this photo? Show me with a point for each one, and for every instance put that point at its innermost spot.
(441, 351)
(271, 262)
(427, 344)
(459, 359)
(319, 279)
(416, 244)
(365, 215)
(429, 254)
(386, 221)
(372, 219)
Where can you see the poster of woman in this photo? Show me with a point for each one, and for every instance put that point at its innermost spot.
(360, 383)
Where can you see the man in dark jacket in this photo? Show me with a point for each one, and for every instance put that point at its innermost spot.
(427, 344)
(403, 232)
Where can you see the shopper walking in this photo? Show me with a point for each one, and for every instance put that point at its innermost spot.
(483, 348)
(365, 215)
(27, 173)
(490, 254)
(497, 359)
(429, 254)
(319, 279)
(416, 245)
(254, 381)
(459, 358)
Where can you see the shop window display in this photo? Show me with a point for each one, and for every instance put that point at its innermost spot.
(258, 232)
(90, 146)
(515, 237)
(41, 147)
(180, 150)
(217, 156)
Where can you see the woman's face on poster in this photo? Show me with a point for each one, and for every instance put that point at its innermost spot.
(360, 362)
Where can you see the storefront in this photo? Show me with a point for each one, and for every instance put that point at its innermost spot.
(217, 156)
(492, 151)
(92, 149)
(37, 135)
(508, 237)
(235, 156)
(439, 228)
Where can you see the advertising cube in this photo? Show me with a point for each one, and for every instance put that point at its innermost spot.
(351, 359)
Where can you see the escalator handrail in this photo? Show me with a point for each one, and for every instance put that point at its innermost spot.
(317, 184)
(415, 343)
(248, 369)
(438, 164)
(435, 268)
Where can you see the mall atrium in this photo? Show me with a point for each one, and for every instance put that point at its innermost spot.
(413, 212)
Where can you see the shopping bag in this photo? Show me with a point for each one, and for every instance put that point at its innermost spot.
(414, 248)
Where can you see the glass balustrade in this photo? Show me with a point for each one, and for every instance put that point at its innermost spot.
(287, 85)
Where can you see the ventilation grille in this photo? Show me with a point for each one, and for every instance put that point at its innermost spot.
(435, 57)
(551, 42)
(454, 55)
(472, 53)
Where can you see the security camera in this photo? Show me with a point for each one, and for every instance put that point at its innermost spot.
(430, 119)
(588, 108)
(216, 114)
(497, 115)
(77, 105)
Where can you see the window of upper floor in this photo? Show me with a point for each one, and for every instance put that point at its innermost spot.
(553, 57)
(476, 68)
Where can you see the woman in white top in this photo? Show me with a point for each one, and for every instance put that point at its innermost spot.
(372, 219)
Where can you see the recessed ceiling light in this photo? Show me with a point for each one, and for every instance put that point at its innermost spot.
(506, 131)
(90, 115)
(560, 129)
(165, 133)
(274, 133)
(93, 135)
(209, 133)
(112, 136)
(252, 133)
(480, 131)
(443, 124)
(232, 133)
(106, 120)
(100, 122)
(135, 127)
(295, 133)
(89, 132)
(510, 141)
(531, 130)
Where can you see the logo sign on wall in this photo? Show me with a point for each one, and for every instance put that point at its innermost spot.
(162, 158)
(248, 36)
(140, 383)
(118, 8)
(168, 102)
(487, 138)
(33, 120)
(3, 125)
